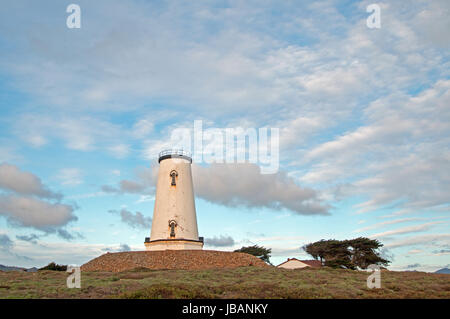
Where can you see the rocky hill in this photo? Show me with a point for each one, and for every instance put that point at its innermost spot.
(171, 259)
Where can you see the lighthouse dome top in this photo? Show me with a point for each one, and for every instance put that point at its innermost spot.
(174, 153)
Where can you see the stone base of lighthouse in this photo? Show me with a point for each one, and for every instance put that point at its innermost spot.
(173, 244)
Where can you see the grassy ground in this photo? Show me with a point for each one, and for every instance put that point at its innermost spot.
(244, 282)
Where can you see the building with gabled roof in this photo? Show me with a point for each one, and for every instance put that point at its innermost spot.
(294, 263)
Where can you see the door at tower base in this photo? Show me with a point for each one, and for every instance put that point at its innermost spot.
(174, 224)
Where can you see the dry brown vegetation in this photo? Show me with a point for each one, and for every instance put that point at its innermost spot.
(242, 282)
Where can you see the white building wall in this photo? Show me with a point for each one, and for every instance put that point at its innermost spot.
(174, 203)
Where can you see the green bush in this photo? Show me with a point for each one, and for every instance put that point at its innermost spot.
(55, 267)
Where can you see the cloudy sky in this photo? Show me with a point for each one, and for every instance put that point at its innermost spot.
(363, 116)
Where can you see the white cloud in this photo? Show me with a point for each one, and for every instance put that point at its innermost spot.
(221, 241)
(120, 150)
(429, 239)
(143, 183)
(8, 153)
(134, 220)
(81, 133)
(243, 185)
(277, 239)
(35, 213)
(22, 203)
(293, 133)
(400, 157)
(389, 222)
(432, 20)
(36, 140)
(142, 128)
(115, 172)
(286, 251)
(441, 252)
(21, 182)
(406, 230)
(70, 176)
(415, 251)
(145, 198)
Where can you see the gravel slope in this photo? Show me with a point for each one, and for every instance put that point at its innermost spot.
(171, 259)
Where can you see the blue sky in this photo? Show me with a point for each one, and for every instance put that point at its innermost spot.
(363, 116)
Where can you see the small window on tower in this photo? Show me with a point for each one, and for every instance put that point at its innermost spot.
(174, 175)
(172, 225)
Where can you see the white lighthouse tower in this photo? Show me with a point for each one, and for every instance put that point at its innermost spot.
(174, 224)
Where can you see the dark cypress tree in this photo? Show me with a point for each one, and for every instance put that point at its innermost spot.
(351, 254)
(258, 251)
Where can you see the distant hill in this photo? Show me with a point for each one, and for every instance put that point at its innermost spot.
(443, 271)
(11, 268)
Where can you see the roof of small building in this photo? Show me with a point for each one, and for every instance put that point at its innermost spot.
(312, 263)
